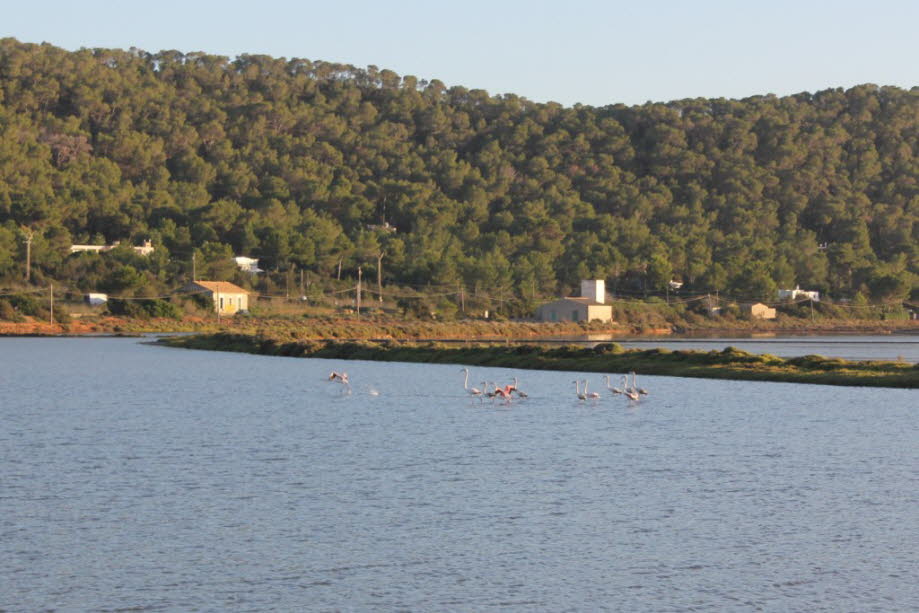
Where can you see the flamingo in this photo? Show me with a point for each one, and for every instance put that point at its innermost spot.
(635, 387)
(614, 390)
(592, 395)
(577, 387)
(504, 392)
(514, 389)
(473, 391)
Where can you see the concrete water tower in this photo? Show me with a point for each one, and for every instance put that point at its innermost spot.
(595, 289)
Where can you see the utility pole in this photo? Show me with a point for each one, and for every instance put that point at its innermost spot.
(29, 234)
(358, 292)
(301, 284)
(380, 276)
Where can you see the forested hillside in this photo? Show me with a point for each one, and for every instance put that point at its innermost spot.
(307, 164)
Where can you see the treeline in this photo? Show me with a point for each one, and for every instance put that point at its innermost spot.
(318, 166)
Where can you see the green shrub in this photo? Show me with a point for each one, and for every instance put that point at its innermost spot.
(28, 305)
(608, 348)
(8, 312)
(144, 309)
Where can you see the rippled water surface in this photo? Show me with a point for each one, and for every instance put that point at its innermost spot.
(145, 478)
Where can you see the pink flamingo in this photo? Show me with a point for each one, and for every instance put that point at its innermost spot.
(513, 388)
(502, 392)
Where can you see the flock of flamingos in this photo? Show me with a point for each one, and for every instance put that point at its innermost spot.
(490, 389)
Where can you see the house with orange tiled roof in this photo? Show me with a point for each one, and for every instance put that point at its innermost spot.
(228, 298)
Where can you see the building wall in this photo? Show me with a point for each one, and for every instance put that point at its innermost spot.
(568, 310)
(595, 289)
(562, 310)
(227, 304)
(600, 311)
(761, 311)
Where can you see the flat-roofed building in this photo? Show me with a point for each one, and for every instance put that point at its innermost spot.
(758, 310)
(590, 306)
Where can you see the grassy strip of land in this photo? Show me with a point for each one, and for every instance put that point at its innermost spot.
(731, 363)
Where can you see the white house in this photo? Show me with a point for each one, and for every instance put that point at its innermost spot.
(145, 249)
(797, 292)
(246, 264)
(95, 298)
(590, 305)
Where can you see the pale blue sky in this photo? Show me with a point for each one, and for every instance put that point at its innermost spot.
(592, 52)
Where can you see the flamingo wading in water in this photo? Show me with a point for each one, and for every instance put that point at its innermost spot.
(577, 388)
(635, 387)
(614, 390)
(592, 395)
(519, 393)
(473, 391)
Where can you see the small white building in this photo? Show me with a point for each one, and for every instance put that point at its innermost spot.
(95, 299)
(797, 292)
(145, 249)
(228, 298)
(758, 310)
(247, 264)
(590, 305)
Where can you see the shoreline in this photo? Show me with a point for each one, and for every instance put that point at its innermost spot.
(611, 358)
(345, 329)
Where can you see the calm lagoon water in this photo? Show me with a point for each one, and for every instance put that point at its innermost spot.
(892, 347)
(145, 478)
(889, 347)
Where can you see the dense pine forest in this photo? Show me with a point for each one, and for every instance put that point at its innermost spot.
(321, 167)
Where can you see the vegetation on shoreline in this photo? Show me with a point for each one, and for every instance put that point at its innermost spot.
(731, 363)
(335, 326)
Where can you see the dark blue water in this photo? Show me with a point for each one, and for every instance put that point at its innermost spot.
(145, 478)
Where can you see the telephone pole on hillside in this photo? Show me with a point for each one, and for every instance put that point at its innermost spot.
(29, 235)
(380, 276)
(358, 292)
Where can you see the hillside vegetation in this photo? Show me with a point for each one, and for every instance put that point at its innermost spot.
(321, 167)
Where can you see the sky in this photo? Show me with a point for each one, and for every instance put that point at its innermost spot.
(590, 52)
